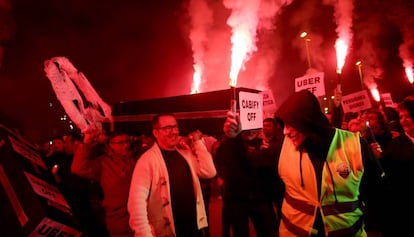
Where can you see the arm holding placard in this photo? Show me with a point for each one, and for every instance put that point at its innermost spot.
(376, 147)
(337, 112)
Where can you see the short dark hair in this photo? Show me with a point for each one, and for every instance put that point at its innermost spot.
(381, 118)
(75, 135)
(156, 119)
(272, 120)
(408, 104)
(116, 133)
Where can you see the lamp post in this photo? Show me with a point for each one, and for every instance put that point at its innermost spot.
(303, 36)
(359, 66)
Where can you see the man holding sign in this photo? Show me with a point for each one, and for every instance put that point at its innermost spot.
(243, 164)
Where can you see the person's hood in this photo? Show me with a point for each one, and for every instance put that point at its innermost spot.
(302, 111)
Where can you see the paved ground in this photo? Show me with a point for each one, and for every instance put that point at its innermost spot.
(215, 218)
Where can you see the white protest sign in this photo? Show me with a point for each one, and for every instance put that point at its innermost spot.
(27, 153)
(49, 227)
(269, 104)
(356, 102)
(251, 110)
(386, 97)
(46, 190)
(314, 82)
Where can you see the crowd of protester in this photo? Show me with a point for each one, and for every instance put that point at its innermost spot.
(288, 179)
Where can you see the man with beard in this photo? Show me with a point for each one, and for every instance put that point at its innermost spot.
(165, 197)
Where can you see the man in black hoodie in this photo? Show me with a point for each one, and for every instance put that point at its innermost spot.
(331, 176)
(247, 174)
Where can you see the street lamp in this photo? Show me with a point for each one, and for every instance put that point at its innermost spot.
(303, 36)
(359, 65)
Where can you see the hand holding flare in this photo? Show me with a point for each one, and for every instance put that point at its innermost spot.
(374, 145)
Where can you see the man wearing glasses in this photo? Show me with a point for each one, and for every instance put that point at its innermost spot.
(165, 197)
(113, 171)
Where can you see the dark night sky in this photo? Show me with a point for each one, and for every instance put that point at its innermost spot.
(132, 50)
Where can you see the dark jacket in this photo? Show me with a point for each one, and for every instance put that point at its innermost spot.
(398, 163)
(239, 169)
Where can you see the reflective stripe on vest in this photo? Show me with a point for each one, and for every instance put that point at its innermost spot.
(298, 231)
(350, 231)
(338, 208)
(333, 209)
(300, 205)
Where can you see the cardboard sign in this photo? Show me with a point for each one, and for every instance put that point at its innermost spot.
(356, 102)
(251, 110)
(46, 190)
(314, 82)
(386, 97)
(268, 100)
(269, 104)
(27, 153)
(48, 227)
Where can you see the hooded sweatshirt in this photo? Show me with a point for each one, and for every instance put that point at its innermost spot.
(302, 111)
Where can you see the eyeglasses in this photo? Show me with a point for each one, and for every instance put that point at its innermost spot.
(168, 128)
(120, 142)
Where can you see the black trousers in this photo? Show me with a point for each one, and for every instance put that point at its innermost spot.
(236, 216)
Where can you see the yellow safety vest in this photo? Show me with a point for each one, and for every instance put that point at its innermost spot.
(341, 178)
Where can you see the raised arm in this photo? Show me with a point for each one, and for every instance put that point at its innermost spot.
(203, 159)
(83, 163)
